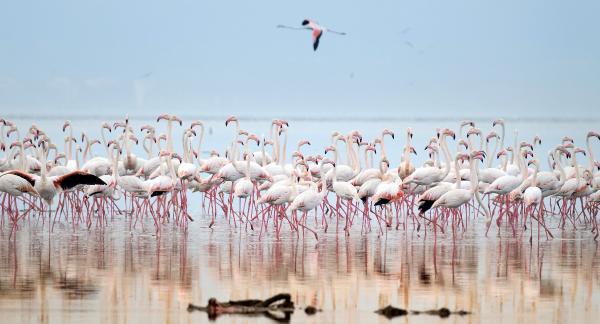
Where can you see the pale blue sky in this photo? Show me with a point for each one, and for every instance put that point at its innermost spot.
(489, 58)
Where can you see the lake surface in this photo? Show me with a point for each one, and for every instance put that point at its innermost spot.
(115, 275)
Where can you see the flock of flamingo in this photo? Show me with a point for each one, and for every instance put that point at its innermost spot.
(252, 183)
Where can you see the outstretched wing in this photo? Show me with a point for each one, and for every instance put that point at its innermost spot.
(316, 36)
(28, 177)
(75, 178)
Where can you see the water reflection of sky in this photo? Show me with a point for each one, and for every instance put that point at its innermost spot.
(117, 276)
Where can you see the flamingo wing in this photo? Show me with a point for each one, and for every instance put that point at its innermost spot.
(316, 36)
(28, 177)
(75, 178)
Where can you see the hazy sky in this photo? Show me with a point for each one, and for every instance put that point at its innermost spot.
(500, 58)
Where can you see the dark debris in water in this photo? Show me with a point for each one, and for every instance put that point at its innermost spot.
(390, 312)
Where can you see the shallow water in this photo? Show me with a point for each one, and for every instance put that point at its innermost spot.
(114, 275)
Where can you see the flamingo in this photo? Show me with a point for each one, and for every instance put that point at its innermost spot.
(317, 30)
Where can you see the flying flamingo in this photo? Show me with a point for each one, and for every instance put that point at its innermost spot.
(317, 30)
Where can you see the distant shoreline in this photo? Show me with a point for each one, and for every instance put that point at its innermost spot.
(317, 119)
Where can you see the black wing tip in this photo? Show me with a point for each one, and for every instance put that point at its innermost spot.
(425, 205)
(382, 201)
(157, 193)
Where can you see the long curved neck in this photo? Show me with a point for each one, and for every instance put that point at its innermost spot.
(200, 143)
(503, 132)
(535, 174)
(86, 150)
(115, 157)
(70, 142)
(148, 148)
(285, 137)
(522, 166)
(335, 161)
(172, 173)
(590, 155)
(22, 158)
(263, 161)
(491, 154)
(474, 180)
(104, 141)
(444, 147)
(44, 167)
(186, 151)
(235, 140)
(406, 153)
(383, 152)
(576, 167)
(460, 130)
(367, 166)
(457, 173)
(273, 136)
(169, 136)
(77, 157)
(515, 149)
(563, 175)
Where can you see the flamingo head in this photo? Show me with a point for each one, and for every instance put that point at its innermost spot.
(164, 153)
(147, 128)
(371, 148)
(15, 143)
(579, 150)
(305, 22)
(59, 156)
(94, 141)
(66, 124)
(537, 140)
(303, 142)
(330, 149)
(254, 138)
(196, 123)
(387, 132)
(568, 139)
(118, 125)
(525, 144)
(491, 135)
(409, 132)
(464, 143)
(477, 155)
(133, 138)
(449, 132)
(593, 134)
(190, 132)
(474, 131)
(412, 150)
(163, 116)
(327, 161)
(11, 129)
(105, 125)
(498, 122)
(467, 123)
(527, 153)
(385, 162)
(356, 134)
(177, 119)
(502, 152)
(298, 155)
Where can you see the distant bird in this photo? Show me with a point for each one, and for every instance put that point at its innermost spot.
(317, 31)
